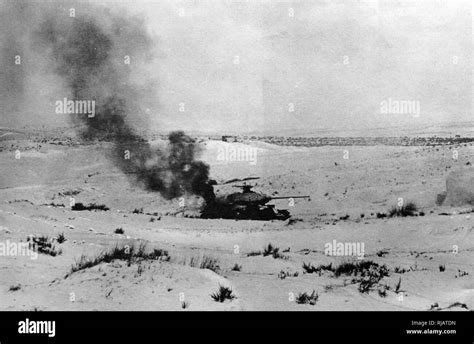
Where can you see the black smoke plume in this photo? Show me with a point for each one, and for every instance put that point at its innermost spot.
(88, 53)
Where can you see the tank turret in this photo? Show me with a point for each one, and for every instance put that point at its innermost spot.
(246, 204)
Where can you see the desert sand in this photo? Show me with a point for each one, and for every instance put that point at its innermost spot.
(429, 256)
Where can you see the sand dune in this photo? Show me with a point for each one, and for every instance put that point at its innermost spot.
(428, 256)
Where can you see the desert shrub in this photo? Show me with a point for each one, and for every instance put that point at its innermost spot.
(222, 294)
(328, 287)
(284, 274)
(119, 230)
(367, 273)
(309, 268)
(461, 273)
(61, 238)
(407, 209)
(126, 253)
(382, 290)
(305, 298)
(400, 270)
(204, 262)
(209, 263)
(398, 285)
(362, 268)
(270, 250)
(236, 267)
(90, 206)
(15, 287)
(44, 244)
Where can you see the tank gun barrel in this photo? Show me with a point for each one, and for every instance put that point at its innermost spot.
(285, 197)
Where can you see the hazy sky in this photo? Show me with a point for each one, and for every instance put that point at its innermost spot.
(242, 66)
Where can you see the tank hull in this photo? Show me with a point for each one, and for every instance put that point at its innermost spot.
(239, 212)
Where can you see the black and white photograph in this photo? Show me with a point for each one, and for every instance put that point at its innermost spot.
(261, 155)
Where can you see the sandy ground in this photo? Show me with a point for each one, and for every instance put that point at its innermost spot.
(370, 180)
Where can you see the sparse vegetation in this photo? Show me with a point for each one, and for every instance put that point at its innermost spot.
(382, 290)
(309, 268)
(398, 285)
(292, 221)
(366, 273)
(90, 206)
(363, 268)
(400, 270)
(137, 211)
(15, 287)
(461, 273)
(305, 298)
(184, 304)
(209, 263)
(329, 287)
(204, 262)
(284, 274)
(270, 250)
(126, 253)
(140, 269)
(407, 209)
(236, 267)
(222, 294)
(60, 238)
(44, 244)
(55, 205)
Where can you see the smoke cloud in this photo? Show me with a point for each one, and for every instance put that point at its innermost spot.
(99, 55)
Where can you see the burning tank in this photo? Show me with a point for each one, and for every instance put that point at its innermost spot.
(245, 205)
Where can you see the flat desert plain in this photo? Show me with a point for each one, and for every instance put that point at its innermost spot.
(419, 262)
